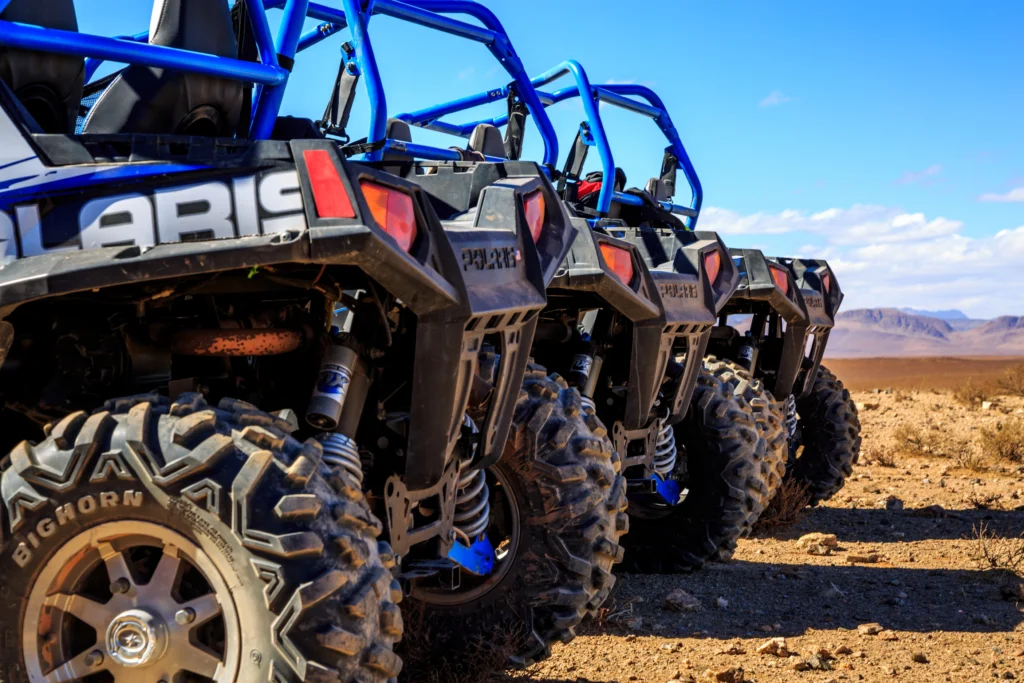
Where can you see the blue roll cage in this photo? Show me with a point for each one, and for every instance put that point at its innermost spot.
(619, 95)
(271, 78)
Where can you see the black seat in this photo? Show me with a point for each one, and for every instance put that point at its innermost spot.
(48, 85)
(487, 140)
(150, 100)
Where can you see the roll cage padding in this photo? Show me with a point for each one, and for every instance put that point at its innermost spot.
(150, 100)
(48, 85)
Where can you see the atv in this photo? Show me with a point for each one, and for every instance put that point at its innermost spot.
(788, 307)
(556, 498)
(256, 390)
(627, 322)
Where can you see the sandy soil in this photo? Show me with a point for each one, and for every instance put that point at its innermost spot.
(864, 374)
(943, 616)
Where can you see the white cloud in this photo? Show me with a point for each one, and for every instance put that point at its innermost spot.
(911, 177)
(775, 98)
(885, 256)
(1014, 195)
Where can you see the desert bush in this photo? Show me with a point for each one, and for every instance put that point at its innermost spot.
(883, 457)
(1012, 381)
(908, 436)
(972, 393)
(785, 509)
(984, 501)
(999, 553)
(967, 456)
(1006, 441)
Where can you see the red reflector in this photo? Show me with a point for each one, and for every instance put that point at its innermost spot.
(826, 281)
(328, 191)
(393, 210)
(619, 261)
(535, 213)
(712, 265)
(781, 278)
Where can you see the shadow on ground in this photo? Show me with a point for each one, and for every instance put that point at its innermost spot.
(803, 597)
(877, 526)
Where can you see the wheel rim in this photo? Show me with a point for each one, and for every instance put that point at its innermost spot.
(165, 610)
(505, 527)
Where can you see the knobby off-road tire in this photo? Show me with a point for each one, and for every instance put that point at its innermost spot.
(561, 471)
(770, 427)
(830, 435)
(720, 443)
(296, 581)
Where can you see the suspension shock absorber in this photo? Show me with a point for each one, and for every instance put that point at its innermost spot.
(337, 405)
(472, 498)
(584, 373)
(665, 450)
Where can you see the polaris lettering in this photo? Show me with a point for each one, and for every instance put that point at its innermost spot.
(677, 290)
(814, 301)
(255, 205)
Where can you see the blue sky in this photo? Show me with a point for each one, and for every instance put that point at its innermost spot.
(885, 136)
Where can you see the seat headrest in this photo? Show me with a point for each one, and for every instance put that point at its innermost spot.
(398, 130)
(48, 85)
(657, 188)
(487, 140)
(150, 100)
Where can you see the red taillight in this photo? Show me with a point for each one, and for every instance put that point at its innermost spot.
(712, 265)
(393, 210)
(620, 261)
(329, 193)
(535, 213)
(781, 278)
(826, 281)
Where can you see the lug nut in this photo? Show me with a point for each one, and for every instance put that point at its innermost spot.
(93, 659)
(120, 586)
(185, 616)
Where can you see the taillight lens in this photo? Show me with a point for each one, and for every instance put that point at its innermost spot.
(329, 193)
(781, 279)
(712, 265)
(535, 213)
(393, 210)
(620, 261)
(826, 281)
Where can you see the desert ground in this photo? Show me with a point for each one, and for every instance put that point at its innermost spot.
(917, 587)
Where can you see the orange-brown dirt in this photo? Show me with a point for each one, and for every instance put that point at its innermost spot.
(944, 614)
(864, 374)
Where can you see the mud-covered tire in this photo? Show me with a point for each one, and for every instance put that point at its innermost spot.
(770, 427)
(563, 473)
(829, 435)
(310, 585)
(721, 445)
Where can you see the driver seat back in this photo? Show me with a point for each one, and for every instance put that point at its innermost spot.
(145, 99)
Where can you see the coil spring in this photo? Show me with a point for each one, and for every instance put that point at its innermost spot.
(791, 419)
(341, 451)
(472, 498)
(665, 451)
(588, 402)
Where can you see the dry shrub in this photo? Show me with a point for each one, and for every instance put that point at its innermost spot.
(1012, 381)
(1006, 441)
(908, 437)
(972, 394)
(785, 508)
(968, 457)
(883, 457)
(987, 501)
(427, 660)
(997, 553)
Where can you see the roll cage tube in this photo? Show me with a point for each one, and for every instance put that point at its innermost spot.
(619, 95)
(431, 14)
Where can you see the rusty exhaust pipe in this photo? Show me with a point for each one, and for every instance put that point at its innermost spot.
(229, 343)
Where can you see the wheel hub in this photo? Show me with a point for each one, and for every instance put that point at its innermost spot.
(136, 638)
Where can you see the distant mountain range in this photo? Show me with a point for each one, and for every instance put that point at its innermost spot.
(900, 332)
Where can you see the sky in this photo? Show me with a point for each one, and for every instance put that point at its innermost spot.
(886, 137)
